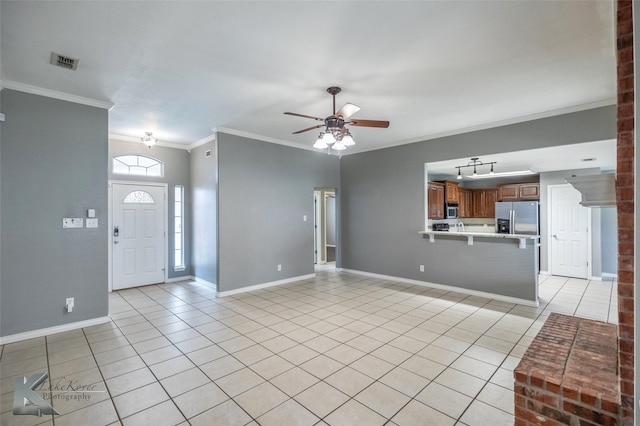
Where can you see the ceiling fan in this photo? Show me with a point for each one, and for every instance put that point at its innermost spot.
(336, 135)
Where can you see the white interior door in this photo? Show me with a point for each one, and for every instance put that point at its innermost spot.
(138, 235)
(569, 233)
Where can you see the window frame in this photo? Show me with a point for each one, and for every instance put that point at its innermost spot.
(122, 162)
(178, 232)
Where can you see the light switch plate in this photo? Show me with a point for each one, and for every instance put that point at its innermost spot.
(91, 213)
(72, 222)
(92, 223)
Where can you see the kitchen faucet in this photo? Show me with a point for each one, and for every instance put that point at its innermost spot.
(460, 227)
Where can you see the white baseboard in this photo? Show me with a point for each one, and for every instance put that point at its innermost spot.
(178, 279)
(205, 282)
(264, 285)
(544, 273)
(448, 288)
(606, 275)
(52, 330)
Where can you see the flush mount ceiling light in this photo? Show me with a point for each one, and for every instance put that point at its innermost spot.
(336, 135)
(475, 163)
(149, 140)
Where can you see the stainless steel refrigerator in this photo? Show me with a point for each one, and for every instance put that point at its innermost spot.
(517, 217)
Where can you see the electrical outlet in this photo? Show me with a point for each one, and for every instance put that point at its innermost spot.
(279, 268)
(421, 268)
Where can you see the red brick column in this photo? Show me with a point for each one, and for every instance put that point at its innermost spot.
(625, 205)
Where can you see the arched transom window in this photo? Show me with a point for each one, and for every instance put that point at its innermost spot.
(138, 165)
(139, 197)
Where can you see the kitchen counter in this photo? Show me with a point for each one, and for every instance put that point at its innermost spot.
(522, 238)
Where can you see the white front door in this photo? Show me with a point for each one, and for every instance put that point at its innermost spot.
(569, 233)
(138, 235)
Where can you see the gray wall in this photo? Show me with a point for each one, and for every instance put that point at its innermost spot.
(204, 183)
(331, 221)
(609, 240)
(263, 192)
(53, 165)
(176, 172)
(382, 197)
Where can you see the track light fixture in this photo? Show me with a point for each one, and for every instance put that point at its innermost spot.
(475, 162)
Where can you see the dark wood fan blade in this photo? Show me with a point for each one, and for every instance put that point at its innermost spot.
(369, 123)
(347, 110)
(305, 116)
(310, 128)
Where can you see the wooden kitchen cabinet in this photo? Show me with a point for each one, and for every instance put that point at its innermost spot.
(435, 197)
(465, 203)
(451, 192)
(529, 191)
(484, 202)
(491, 196)
(508, 192)
(519, 191)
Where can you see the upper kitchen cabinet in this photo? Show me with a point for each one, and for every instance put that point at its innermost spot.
(484, 202)
(451, 195)
(519, 191)
(435, 197)
(465, 203)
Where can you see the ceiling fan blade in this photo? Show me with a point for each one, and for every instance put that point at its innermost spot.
(369, 123)
(310, 128)
(347, 110)
(305, 116)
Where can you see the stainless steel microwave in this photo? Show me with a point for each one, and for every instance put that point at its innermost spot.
(451, 211)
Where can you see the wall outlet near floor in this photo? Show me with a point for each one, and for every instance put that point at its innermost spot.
(421, 268)
(279, 268)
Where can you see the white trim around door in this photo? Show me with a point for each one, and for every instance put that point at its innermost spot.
(110, 225)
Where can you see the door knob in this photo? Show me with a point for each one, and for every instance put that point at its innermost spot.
(555, 236)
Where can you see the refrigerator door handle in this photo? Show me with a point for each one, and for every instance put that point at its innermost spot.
(512, 221)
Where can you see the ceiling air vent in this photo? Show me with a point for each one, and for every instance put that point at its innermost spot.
(64, 61)
(207, 153)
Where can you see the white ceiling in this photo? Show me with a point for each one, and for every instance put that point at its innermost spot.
(431, 68)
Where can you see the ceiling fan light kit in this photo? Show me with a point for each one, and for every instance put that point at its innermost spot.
(336, 135)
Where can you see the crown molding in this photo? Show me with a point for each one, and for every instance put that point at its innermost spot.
(210, 138)
(263, 138)
(137, 140)
(494, 124)
(34, 90)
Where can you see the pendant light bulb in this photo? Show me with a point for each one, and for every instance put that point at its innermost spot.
(320, 143)
(347, 140)
(339, 146)
(328, 138)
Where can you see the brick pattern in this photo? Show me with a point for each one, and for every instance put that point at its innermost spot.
(568, 375)
(624, 197)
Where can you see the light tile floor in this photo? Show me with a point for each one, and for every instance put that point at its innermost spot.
(339, 349)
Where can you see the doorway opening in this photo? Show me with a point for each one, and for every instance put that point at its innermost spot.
(324, 225)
